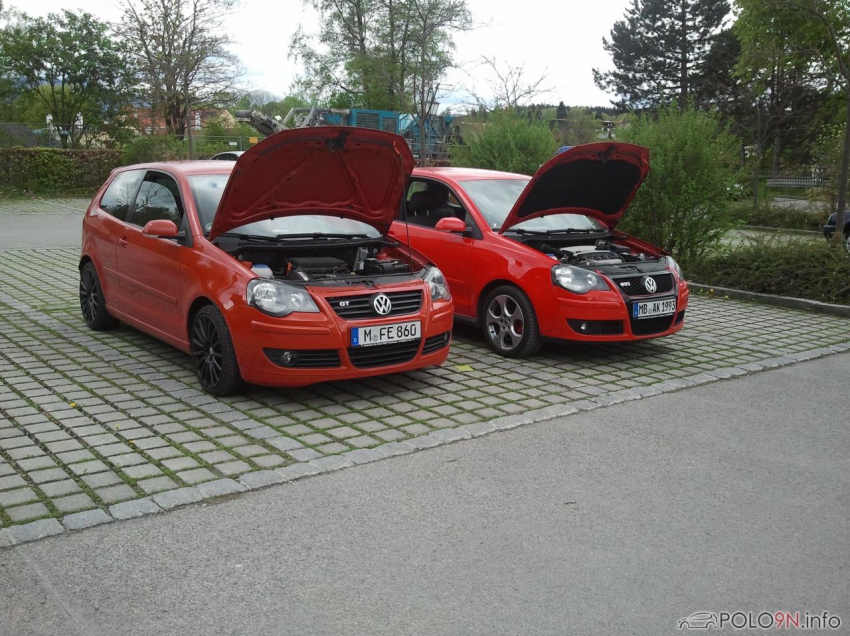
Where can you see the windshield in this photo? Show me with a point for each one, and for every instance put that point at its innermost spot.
(208, 188)
(496, 197)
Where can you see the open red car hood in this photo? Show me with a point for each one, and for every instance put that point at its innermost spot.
(599, 180)
(355, 173)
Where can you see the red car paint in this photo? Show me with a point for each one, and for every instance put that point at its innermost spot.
(158, 283)
(483, 258)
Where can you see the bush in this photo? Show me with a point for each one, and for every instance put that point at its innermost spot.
(778, 217)
(686, 197)
(148, 148)
(775, 266)
(53, 170)
(507, 142)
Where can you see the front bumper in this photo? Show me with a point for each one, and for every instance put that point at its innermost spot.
(319, 346)
(607, 317)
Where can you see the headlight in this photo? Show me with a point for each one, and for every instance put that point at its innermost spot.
(437, 284)
(279, 299)
(576, 279)
(675, 267)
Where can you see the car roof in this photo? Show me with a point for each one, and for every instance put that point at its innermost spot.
(467, 174)
(187, 168)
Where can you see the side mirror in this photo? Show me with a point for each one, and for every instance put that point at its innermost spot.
(161, 228)
(451, 224)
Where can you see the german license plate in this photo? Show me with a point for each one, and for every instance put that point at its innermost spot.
(385, 334)
(654, 308)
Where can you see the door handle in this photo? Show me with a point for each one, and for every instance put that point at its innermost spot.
(122, 242)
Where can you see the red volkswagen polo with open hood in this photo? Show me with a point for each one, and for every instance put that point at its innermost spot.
(276, 269)
(537, 258)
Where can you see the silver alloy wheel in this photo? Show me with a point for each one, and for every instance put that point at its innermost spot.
(505, 323)
(847, 242)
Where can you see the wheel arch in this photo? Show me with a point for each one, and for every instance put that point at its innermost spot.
(194, 308)
(485, 291)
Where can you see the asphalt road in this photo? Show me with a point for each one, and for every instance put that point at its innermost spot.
(728, 497)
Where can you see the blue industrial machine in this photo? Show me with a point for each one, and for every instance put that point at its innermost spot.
(439, 132)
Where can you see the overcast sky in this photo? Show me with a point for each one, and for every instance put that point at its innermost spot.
(559, 38)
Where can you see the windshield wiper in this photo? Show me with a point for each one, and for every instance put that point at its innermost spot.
(569, 231)
(247, 237)
(321, 235)
(551, 232)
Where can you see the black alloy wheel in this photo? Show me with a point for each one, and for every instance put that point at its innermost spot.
(92, 302)
(212, 348)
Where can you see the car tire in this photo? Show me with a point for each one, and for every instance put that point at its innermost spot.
(93, 302)
(212, 349)
(509, 323)
(847, 242)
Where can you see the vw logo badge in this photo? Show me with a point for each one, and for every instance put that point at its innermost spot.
(382, 304)
(650, 284)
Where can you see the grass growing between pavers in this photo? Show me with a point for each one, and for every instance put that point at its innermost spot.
(28, 204)
(120, 415)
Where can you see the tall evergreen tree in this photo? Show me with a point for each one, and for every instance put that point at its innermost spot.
(659, 50)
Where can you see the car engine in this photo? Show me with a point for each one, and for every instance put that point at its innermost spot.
(318, 264)
(603, 252)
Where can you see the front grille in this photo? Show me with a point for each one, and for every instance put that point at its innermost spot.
(305, 358)
(596, 327)
(383, 355)
(649, 326)
(633, 285)
(360, 307)
(435, 343)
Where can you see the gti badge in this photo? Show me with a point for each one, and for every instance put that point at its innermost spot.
(650, 284)
(382, 304)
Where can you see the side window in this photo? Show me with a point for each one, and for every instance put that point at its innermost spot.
(119, 195)
(158, 198)
(429, 201)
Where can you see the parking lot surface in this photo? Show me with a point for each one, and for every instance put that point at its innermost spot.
(102, 426)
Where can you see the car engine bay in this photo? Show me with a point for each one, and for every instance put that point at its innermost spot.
(603, 255)
(321, 261)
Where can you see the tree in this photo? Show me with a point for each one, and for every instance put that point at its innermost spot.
(659, 50)
(815, 34)
(511, 88)
(506, 142)
(433, 23)
(382, 54)
(180, 49)
(71, 64)
(562, 112)
(684, 205)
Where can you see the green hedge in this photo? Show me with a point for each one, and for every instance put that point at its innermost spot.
(53, 170)
(777, 216)
(786, 268)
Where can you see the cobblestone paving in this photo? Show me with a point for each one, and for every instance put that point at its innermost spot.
(43, 206)
(103, 426)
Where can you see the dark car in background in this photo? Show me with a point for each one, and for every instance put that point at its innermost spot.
(829, 228)
(229, 155)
